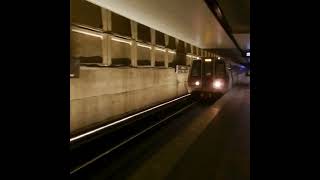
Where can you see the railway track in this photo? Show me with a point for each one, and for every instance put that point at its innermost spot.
(90, 147)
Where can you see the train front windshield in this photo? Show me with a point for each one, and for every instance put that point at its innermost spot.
(196, 68)
(208, 68)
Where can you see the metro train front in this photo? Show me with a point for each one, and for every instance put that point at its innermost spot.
(208, 78)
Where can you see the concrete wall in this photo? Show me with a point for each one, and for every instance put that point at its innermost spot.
(120, 50)
(100, 94)
(85, 46)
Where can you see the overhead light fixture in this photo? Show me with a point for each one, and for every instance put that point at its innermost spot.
(191, 56)
(207, 60)
(219, 58)
(145, 46)
(121, 40)
(87, 33)
(248, 54)
(172, 52)
(159, 49)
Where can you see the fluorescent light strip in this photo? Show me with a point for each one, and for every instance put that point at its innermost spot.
(207, 60)
(121, 40)
(124, 119)
(87, 33)
(191, 56)
(172, 52)
(163, 50)
(145, 46)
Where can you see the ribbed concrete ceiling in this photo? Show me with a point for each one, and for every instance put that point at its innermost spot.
(243, 40)
(188, 20)
(237, 14)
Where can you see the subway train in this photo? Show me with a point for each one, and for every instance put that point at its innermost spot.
(209, 78)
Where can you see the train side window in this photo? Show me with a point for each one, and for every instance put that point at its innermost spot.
(196, 68)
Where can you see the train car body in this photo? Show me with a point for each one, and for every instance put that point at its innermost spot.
(209, 78)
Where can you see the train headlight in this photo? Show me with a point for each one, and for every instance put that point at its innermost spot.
(217, 84)
(197, 83)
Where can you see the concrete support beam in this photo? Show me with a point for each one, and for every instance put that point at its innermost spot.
(153, 42)
(106, 19)
(166, 58)
(106, 41)
(166, 40)
(134, 32)
(105, 49)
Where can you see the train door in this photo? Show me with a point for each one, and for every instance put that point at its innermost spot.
(207, 77)
(195, 75)
(221, 73)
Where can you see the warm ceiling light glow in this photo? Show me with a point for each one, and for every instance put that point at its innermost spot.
(163, 50)
(87, 33)
(145, 46)
(172, 52)
(197, 83)
(219, 58)
(217, 84)
(207, 60)
(191, 56)
(121, 40)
